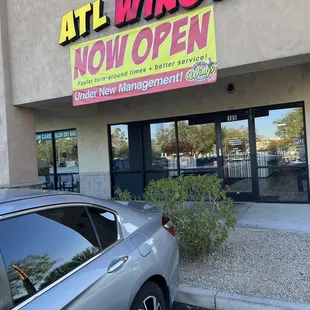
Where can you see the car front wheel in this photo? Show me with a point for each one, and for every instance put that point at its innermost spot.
(150, 297)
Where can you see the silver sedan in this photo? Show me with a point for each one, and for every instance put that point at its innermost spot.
(68, 251)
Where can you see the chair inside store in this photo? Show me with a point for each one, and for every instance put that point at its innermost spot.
(45, 180)
(68, 182)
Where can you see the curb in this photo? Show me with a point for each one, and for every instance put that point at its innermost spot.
(216, 300)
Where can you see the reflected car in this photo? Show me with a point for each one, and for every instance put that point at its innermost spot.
(203, 166)
(160, 163)
(68, 251)
(120, 164)
(206, 161)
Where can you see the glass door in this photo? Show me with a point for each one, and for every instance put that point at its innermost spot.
(235, 156)
(197, 148)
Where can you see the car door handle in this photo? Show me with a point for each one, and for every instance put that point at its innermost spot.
(116, 264)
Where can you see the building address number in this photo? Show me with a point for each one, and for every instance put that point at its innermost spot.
(231, 118)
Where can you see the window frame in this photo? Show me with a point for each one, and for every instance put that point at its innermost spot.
(54, 150)
(218, 117)
(102, 251)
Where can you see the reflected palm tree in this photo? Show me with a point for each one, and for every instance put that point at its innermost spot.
(35, 272)
(28, 285)
(25, 274)
(67, 267)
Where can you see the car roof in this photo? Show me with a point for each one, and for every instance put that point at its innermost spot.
(10, 195)
(14, 200)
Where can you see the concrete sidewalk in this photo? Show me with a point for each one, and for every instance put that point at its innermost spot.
(271, 243)
(288, 217)
(217, 300)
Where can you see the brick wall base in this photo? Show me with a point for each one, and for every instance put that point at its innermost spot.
(96, 184)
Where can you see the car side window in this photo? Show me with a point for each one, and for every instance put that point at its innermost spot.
(106, 225)
(40, 248)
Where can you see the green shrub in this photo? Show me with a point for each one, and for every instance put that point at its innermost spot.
(199, 208)
(123, 195)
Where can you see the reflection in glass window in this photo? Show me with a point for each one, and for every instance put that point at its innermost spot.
(120, 147)
(45, 153)
(281, 155)
(163, 145)
(236, 156)
(197, 147)
(43, 247)
(66, 152)
(280, 138)
(235, 137)
(66, 160)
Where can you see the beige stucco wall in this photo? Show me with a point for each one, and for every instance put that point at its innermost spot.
(251, 35)
(255, 89)
(18, 164)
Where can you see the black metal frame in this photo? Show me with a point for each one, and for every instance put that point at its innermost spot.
(215, 117)
(253, 157)
(306, 147)
(54, 161)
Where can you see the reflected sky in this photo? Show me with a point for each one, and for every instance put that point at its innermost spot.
(123, 128)
(265, 125)
(17, 236)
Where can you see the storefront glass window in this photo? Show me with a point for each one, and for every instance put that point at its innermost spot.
(120, 147)
(160, 151)
(127, 161)
(66, 152)
(45, 154)
(58, 164)
(281, 155)
(197, 147)
(163, 146)
(67, 160)
(221, 144)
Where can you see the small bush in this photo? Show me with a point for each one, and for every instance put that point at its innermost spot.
(199, 208)
(123, 195)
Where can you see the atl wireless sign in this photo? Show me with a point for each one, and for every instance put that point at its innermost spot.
(76, 23)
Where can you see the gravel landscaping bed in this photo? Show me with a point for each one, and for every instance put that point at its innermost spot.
(263, 263)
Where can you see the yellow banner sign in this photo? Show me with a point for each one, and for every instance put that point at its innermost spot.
(178, 52)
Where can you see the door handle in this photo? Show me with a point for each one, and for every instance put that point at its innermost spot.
(116, 264)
